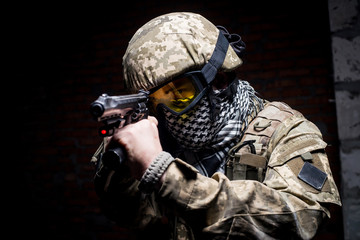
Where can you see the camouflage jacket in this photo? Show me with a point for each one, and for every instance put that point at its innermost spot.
(191, 206)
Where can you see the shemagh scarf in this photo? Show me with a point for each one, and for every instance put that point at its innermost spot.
(205, 143)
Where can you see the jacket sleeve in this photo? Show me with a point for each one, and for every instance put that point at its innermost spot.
(280, 207)
(121, 201)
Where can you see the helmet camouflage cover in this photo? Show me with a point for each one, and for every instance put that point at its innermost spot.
(170, 45)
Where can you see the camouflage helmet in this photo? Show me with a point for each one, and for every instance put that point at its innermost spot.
(170, 45)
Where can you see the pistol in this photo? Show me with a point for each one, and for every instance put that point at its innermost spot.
(116, 112)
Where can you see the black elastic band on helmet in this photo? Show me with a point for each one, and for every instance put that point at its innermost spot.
(210, 69)
(225, 39)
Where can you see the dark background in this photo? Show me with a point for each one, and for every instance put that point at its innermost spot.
(63, 57)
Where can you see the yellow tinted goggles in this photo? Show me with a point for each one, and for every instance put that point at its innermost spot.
(179, 95)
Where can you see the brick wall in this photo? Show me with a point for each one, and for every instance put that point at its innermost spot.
(64, 59)
(345, 34)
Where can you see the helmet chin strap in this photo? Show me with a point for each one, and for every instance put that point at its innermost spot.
(216, 98)
(210, 70)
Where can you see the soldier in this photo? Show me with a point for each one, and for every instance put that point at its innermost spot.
(217, 162)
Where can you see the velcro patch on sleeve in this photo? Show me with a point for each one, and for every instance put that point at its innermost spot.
(312, 176)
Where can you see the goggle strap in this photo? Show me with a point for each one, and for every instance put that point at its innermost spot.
(210, 69)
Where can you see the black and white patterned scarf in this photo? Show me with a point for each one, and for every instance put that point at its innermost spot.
(205, 143)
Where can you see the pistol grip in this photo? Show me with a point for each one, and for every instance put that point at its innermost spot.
(113, 157)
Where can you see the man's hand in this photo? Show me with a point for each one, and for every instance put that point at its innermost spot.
(141, 142)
